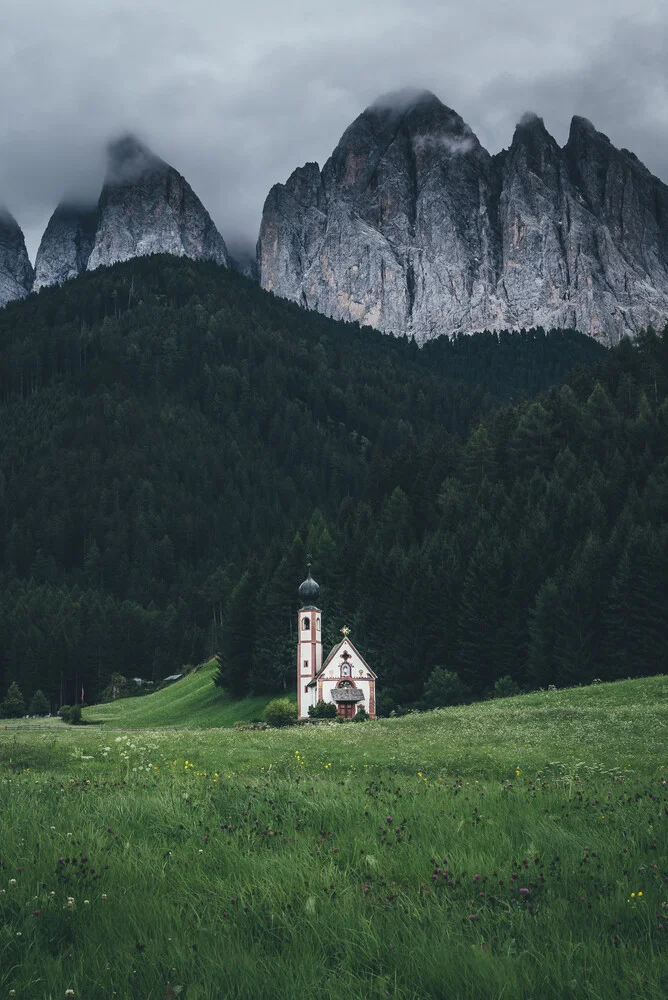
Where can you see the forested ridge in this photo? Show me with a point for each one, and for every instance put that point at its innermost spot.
(173, 441)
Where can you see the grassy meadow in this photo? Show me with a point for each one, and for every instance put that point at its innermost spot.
(514, 849)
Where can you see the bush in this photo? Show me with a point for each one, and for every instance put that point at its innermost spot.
(70, 714)
(39, 704)
(361, 715)
(322, 710)
(505, 687)
(444, 687)
(387, 704)
(13, 707)
(74, 717)
(281, 712)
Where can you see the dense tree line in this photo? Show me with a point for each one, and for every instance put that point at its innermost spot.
(536, 553)
(173, 440)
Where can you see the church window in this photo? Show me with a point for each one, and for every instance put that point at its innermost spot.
(345, 670)
(306, 625)
(318, 625)
(305, 664)
(345, 684)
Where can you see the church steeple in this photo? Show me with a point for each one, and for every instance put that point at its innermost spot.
(309, 591)
(309, 643)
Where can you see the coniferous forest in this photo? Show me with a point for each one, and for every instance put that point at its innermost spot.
(174, 440)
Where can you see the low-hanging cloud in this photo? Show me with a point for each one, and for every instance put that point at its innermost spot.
(237, 96)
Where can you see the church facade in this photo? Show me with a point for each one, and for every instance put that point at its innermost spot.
(344, 677)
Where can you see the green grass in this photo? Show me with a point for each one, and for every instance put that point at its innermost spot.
(311, 862)
(193, 702)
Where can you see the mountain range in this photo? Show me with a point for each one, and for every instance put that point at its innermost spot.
(145, 207)
(411, 227)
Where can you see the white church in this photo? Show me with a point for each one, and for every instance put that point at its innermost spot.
(344, 678)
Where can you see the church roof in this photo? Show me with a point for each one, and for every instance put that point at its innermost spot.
(333, 652)
(309, 591)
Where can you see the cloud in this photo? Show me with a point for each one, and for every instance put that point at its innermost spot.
(236, 96)
(453, 144)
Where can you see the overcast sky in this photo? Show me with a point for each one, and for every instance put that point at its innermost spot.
(237, 94)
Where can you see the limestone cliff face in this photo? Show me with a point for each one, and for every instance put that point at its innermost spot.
(413, 228)
(16, 273)
(145, 207)
(399, 229)
(66, 245)
(148, 207)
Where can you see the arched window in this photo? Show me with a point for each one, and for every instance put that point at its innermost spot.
(345, 684)
(306, 624)
(318, 625)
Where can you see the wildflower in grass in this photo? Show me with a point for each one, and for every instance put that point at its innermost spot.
(524, 892)
(36, 913)
(12, 881)
(473, 916)
(518, 771)
(69, 993)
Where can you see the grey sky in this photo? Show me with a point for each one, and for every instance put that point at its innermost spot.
(235, 95)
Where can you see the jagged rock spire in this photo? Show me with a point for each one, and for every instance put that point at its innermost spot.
(16, 272)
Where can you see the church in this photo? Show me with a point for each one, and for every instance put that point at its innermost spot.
(344, 678)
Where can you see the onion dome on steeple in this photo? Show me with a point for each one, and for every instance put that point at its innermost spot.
(309, 591)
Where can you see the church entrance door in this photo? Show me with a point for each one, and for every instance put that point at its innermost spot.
(346, 709)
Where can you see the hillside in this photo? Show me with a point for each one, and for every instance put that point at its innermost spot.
(452, 848)
(194, 702)
(166, 425)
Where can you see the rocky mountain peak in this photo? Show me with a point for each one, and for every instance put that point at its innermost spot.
(66, 245)
(145, 207)
(533, 150)
(16, 273)
(531, 127)
(413, 228)
(128, 159)
(582, 129)
(405, 99)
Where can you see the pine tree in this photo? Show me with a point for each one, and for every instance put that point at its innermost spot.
(13, 707)
(39, 704)
(240, 626)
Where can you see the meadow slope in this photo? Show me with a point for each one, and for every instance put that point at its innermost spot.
(514, 848)
(193, 702)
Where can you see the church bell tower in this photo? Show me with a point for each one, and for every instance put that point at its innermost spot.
(309, 643)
